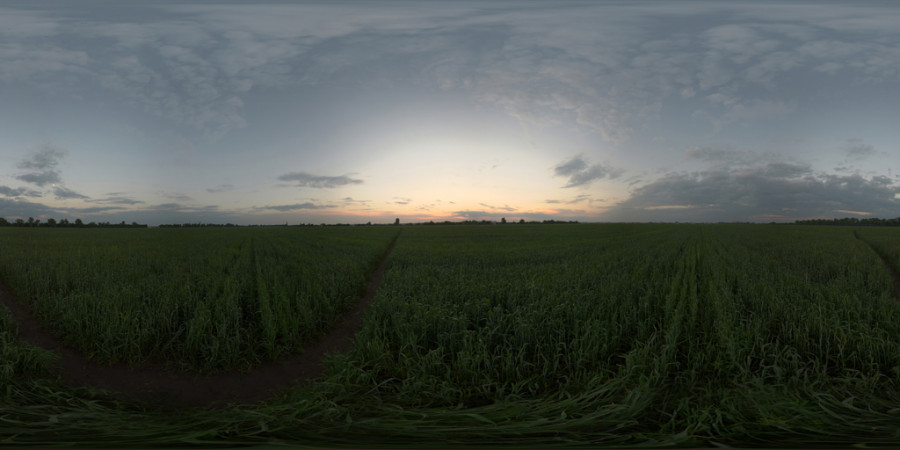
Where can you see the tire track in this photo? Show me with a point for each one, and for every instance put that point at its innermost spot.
(895, 275)
(156, 386)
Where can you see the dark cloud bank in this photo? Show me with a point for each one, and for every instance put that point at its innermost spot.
(774, 191)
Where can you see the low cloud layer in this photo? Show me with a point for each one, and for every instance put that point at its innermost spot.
(293, 207)
(774, 191)
(18, 192)
(303, 179)
(117, 200)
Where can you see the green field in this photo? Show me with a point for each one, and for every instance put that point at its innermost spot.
(645, 335)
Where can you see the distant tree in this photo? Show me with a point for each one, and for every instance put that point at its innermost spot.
(20, 223)
(397, 221)
(79, 223)
(503, 220)
(31, 222)
(64, 223)
(3, 222)
(521, 220)
(51, 222)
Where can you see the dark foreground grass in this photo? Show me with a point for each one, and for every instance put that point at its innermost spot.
(617, 336)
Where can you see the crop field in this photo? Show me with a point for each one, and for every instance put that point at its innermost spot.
(649, 335)
(204, 299)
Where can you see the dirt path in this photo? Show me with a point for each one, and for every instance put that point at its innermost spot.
(158, 387)
(895, 276)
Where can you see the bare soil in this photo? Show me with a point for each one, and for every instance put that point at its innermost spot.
(156, 386)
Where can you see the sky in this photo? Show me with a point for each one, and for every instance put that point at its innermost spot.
(272, 112)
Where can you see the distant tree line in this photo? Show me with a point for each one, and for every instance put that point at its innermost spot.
(490, 222)
(853, 221)
(65, 223)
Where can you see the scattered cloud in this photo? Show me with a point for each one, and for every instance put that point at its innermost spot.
(724, 155)
(856, 150)
(856, 213)
(18, 192)
(41, 166)
(175, 196)
(498, 208)
(45, 158)
(41, 178)
(474, 215)
(220, 188)
(63, 193)
(401, 201)
(294, 207)
(117, 200)
(581, 173)
(353, 200)
(303, 179)
(90, 210)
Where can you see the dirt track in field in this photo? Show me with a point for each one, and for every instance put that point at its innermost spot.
(152, 384)
(887, 263)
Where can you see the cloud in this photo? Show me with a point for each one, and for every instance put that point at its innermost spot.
(18, 208)
(498, 208)
(40, 178)
(723, 155)
(303, 179)
(577, 199)
(63, 193)
(117, 200)
(18, 192)
(401, 200)
(858, 151)
(294, 207)
(90, 210)
(474, 215)
(774, 190)
(568, 214)
(175, 196)
(47, 157)
(41, 166)
(581, 173)
(596, 67)
(220, 188)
